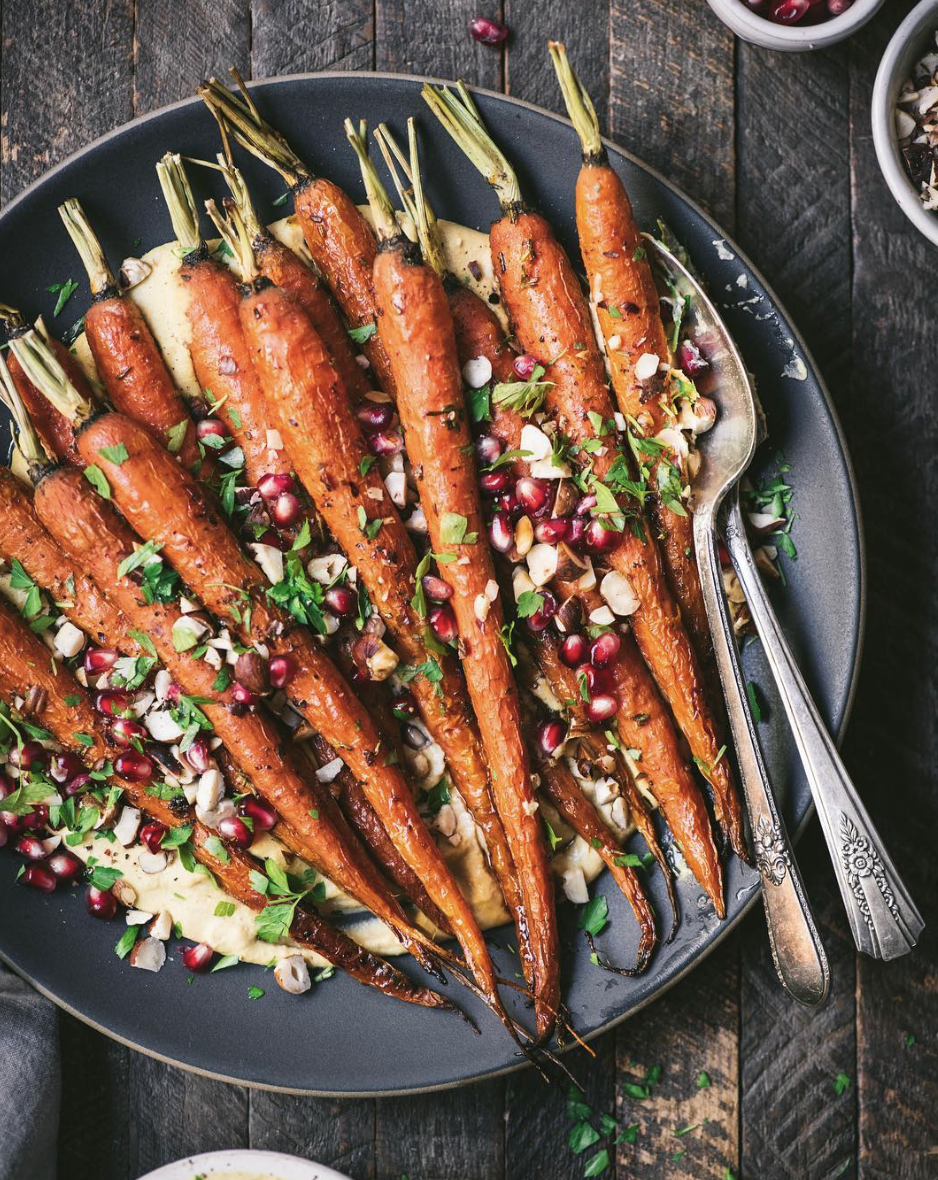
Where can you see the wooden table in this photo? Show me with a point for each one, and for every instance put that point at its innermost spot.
(778, 148)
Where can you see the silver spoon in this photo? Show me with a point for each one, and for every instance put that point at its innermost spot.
(727, 450)
(882, 916)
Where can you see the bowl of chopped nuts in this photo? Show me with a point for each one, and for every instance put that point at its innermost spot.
(905, 117)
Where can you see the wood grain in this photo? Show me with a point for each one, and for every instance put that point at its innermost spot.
(411, 38)
(530, 74)
(293, 36)
(439, 1136)
(339, 1134)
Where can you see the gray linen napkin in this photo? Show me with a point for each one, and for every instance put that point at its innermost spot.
(29, 1081)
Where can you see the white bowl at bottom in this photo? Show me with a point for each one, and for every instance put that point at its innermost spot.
(244, 1164)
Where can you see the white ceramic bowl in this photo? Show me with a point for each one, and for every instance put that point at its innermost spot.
(792, 38)
(909, 43)
(264, 1165)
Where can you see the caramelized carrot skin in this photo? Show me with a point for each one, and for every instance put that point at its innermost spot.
(95, 537)
(416, 327)
(289, 272)
(575, 809)
(310, 406)
(643, 721)
(133, 373)
(162, 500)
(620, 279)
(24, 538)
(222, 361)
(343, 246)
(53, 428)
(551, 320)
(24, 664)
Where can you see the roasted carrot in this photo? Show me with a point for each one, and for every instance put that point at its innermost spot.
(160, 499)
(125, 352)
(310, 406)
(338, 237)
(623, 294)
(551, 320)
(416, 327)
(66, 712)
(642, 722)
(54, 428)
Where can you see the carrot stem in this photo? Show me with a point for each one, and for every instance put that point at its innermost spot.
(252, 131)
(85, 241)
(236, 236)
(579, 104)
(385, 220)
(27, 439)
(41, 366)
(179, 201)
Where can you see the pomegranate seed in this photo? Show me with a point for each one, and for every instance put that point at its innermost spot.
(173, 693)
(553, 531)
(577, 533)
(533, 494)
(6, 787)
(443, 622)
(274, 540)
(574, 650)
(550, 736)
(586, 504)
(242, 695)
(65, 766)
(100, 903)
(81, 782)
(112, 703)
(209, 426)
(501, 534)
(133, 766)
(39, 877)
(125, 732)
(404, 706)
(274, 484)
(99, 659)
(260, 811)
(233, 829)
(29, 755)
(508, 503)
(65, 866)
(789, 12)
(152, 835)
(539, 620)
(487, 31)
(285, 510)
(341, 601)
(280, 671)
(30, 847)
(436, 589)
(525, 366)
(12, 823)
(198, 756)
(600, 539)
(602, 707)
(605, 649)
(4, 834)
(37, 818)
(198, 958)
(494, 482)
(488, 449)
(690, 357)
(599, 681)
(385, 442)
(836, 7)
(374, 415)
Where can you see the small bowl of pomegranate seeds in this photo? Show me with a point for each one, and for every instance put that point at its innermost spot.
(905, 117)
(796, 25)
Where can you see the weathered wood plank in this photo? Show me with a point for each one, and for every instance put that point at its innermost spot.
(529, 73)
(411, 38)
(333, 1132)
(894, 736)
(67, 78)
(453, 1133)
(690, 1032)
(176, 46)
(95, 1121)
(672, 96)
(293, 36)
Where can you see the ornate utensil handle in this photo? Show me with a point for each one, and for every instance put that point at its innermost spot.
(882, 915)
(796, 946)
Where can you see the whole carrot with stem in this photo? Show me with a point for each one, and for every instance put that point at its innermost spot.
(551, 320)
(627, 306)
(125, 351)
(310, 406)
(416, 328)
(642, 720)
(339, 238)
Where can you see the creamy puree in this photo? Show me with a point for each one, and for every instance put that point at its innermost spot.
(191, 898)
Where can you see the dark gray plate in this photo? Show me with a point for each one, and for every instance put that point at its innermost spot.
(342, 1038)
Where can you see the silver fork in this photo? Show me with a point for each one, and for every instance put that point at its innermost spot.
(882, 916)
